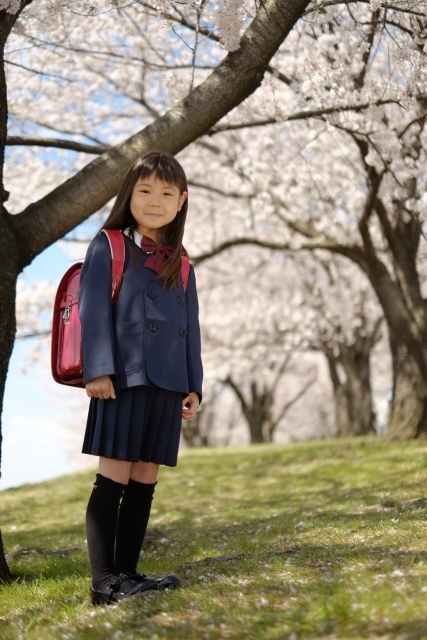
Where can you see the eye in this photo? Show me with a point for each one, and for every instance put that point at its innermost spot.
(168, 194)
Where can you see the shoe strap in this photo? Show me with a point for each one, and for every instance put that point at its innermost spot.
(137, 575)
(115, 584)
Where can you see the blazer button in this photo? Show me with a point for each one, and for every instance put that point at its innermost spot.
(180, 299)
(152, 326)
(183, 332)
(151, 294)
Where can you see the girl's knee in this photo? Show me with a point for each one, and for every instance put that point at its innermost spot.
(145, 472)
(117, 470)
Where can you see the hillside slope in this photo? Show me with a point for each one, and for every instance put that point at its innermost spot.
(310, 540)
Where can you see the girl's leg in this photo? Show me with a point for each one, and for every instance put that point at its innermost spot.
(101, 519)
(146, 472)
(117, 470)
(134, 514)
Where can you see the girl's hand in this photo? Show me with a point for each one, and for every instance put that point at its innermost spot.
(101, 388)
(192, 402)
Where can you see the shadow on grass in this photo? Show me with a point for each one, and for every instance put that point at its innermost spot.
(27, 560)
(323, 605)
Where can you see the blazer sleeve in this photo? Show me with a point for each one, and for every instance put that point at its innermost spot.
(95, 311)
(194, 358)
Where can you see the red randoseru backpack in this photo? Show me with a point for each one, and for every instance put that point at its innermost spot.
(66, 349)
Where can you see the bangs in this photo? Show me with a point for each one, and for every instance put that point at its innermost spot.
(163, 169)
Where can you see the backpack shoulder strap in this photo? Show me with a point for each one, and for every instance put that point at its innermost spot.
(117, 246)
(185, 270)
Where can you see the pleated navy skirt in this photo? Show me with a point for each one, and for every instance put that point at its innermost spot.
(142, 423)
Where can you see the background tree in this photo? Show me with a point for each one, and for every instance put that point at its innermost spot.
(345, 327)
(252, 336)
(258, 405)
(342, 167)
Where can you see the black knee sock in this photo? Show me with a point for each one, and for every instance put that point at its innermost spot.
(101, 524)
(132, 524)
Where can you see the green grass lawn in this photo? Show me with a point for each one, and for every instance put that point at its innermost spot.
(311, 540)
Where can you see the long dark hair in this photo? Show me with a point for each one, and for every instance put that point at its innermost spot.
(167, 169)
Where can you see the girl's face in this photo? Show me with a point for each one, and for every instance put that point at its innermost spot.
(154, 204)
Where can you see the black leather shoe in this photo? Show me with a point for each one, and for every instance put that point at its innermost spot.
(168, 582)
(123, 587)
(99, 597)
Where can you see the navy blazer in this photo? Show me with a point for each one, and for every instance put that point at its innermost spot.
(151, 337)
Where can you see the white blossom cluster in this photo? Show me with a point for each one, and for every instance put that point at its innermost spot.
(82, 7)
(34, 304)
(11, 6)
(229, 23)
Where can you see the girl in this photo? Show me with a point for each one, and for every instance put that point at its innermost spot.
(142, 368)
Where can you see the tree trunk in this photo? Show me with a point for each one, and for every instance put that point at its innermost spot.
(9, 254)
(258, 415)
(255, 422)
(407, 327)
(5, 575)
(10, 270)
(408, 416)
(401, 298)
(354, 414)
(257, 412)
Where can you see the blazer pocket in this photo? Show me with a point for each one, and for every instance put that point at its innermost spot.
(129, 347)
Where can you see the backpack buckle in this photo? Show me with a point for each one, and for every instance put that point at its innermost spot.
(66, 315)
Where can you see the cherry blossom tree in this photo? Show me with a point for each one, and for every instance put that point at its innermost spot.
(252, 336)
(345, 327)
(271, 312)
(342, 167)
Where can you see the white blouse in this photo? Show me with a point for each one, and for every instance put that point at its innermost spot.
(137, 238)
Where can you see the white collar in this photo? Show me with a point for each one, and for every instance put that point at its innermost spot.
(136, 236)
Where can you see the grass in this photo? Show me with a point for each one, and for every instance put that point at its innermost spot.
(310, 540)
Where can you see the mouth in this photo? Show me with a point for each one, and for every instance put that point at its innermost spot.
(154, 215)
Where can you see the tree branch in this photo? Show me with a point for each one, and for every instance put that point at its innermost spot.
(299, 115)
(228, 380)
(420, 118)
(282, 369)
(36, 334)
(212, 36)
(279, 75)
(354, 252)
(229, 194)
(360, 78)
(29, 141)
(289, 404)
(334, 3)
(387, 290)
(67, 132)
